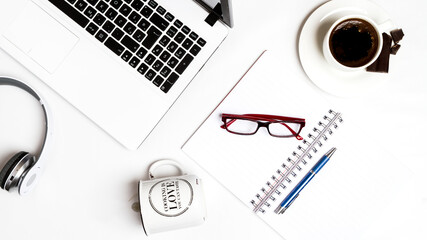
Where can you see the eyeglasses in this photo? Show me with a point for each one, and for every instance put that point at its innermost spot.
(277, 126)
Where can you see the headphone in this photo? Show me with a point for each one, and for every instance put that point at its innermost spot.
(23, 169)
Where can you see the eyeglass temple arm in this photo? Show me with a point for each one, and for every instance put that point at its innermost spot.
(292, 131)
(228, 123)
(298, 120)
(263, 117)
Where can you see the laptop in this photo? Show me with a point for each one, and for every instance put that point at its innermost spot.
(122, 63)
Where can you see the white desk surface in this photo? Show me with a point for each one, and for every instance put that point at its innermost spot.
(90, 181)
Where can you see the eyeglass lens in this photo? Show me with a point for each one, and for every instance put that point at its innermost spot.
(283, 129)
(242, 126)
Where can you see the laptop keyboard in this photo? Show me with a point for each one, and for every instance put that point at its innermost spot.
(142, 33)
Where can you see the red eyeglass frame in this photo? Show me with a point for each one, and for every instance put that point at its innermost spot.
(266, 118)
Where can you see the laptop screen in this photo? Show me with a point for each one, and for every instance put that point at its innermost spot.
(226, 10)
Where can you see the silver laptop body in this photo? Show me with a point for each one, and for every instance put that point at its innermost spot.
(122, 63)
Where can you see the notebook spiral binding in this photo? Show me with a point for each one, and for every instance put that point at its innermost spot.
(287, 170)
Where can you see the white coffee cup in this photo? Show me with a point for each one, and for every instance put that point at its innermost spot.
(170, 203)
(378, 30)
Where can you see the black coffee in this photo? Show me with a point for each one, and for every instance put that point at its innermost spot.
(353, 42)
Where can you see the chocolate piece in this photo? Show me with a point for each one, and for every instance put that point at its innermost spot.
(382, 62)
(397, 35)
(394, 49)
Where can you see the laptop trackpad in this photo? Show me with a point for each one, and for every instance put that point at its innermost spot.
(41, 37)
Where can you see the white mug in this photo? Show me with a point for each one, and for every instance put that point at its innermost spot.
(170, 203)
(379, 29)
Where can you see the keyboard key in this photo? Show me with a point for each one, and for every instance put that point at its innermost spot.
(184, 64)
(141, 52)
(92, 28)
(172, 47)
(150, 75)
(157, 50)
(195, 50)
(118, 34)
(142, 68)
(130, 43)
(179, 53)
(172, 31)
(126, 56)
(99, 19)
(102, 6)
(201, 42)
(72, 1)
(165, 56)
(179, 38)
(187, 43)
(101, 36)
(138, 36)
(157, 20)
(129, 28)
(128, 1)
(161, 10)
(164, 41)
(144, 25)
(111, 14)
(125, 10)
(71, 12)
(178, 24)
(146, 11)
(158, 81)
(116, 3)
(194, 36)
(165, 71)
(149, 59)
(120, 21)
(166, 86)
(169, 17)
(157, 65)
(185, 29)
(152, 35)
(108, 26)
(169, 82)
(137, 5)
(90, 12)
(92, 2)
(152, 4)
(134, 62)
(172, 78)
(81, 5)
(172, 62)
(134, 17)
(114, 46)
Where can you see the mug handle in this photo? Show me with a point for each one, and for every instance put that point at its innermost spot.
(160, 163)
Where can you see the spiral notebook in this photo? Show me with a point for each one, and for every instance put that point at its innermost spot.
(344, 200)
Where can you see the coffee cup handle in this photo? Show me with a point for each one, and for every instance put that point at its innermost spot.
(160, 163)
(386, 26)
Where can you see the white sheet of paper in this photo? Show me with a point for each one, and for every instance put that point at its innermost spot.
(343, 200)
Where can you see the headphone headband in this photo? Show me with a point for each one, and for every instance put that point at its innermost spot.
(29, 182)
(18, 84)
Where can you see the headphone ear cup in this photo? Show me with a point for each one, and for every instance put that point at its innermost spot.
(14, 168)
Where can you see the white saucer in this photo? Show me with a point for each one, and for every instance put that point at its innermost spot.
(326, 77)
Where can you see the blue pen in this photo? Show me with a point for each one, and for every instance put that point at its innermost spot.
(300, 186)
